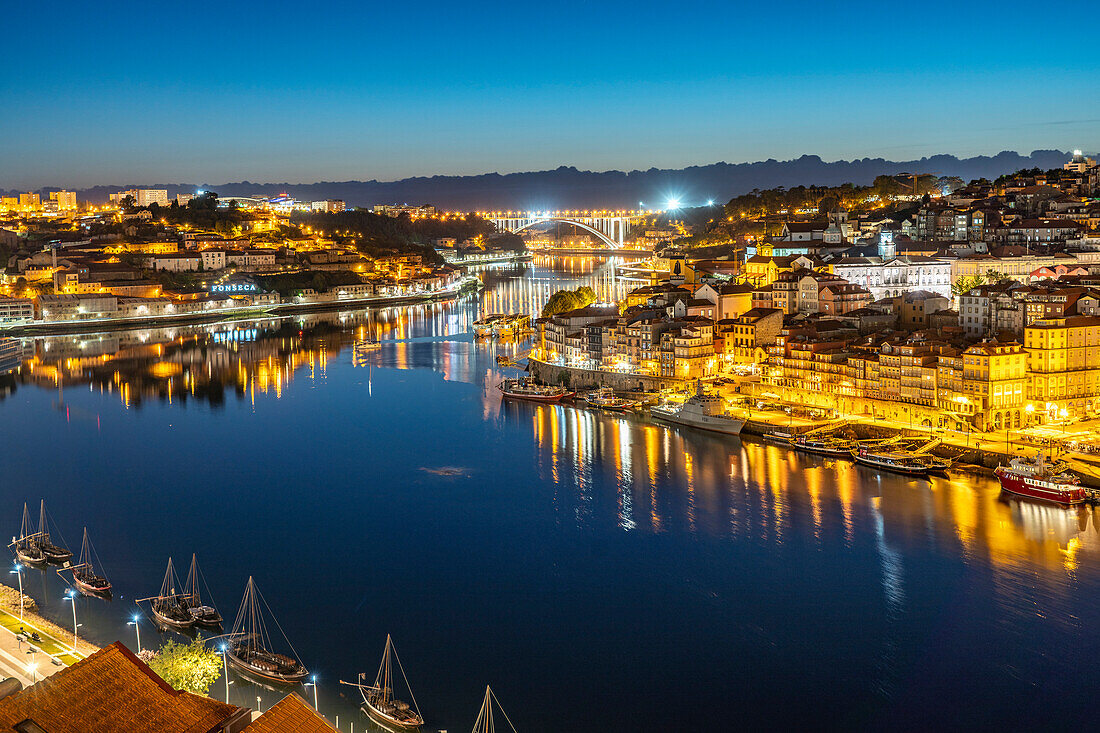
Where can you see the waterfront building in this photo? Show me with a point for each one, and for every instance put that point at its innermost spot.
(16, 310)
(1063, 361)
(687, 349)
(994, 384)
(747, 337)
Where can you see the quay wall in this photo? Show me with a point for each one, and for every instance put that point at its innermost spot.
(577, 378)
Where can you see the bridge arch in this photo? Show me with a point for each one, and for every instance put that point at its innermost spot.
(611, 243)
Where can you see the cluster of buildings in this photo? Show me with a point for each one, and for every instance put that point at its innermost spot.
(32, 203)
(179, 271)
(980, 311)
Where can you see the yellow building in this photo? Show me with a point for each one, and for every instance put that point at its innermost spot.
(1064, 364)
(994, 380)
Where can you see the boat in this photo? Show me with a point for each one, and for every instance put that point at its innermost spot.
(1040, 479)
(822, 446)
(203, 614)
(85, 578)
(486, 717)
(250, 645)
(901, 460)
(526, 389)
(26, 546)
(701, 410)
(605, 398)
(501, 325)
(169, 608)
(53, 552)
(379, 702)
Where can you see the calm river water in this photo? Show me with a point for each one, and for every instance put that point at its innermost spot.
(600, 572)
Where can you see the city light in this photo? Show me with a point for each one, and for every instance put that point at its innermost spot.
(672, 204)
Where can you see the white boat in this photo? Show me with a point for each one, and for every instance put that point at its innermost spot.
(703, 411)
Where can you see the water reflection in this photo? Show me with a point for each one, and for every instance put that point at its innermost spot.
(560, 522)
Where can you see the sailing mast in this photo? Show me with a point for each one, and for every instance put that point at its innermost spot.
(191, 589)
(485, 722)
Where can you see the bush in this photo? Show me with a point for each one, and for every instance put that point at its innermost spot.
(190, 667)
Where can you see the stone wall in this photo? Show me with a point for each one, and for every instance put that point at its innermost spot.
(576, 378)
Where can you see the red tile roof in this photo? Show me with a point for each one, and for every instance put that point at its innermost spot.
(292, 714)
(112, 691)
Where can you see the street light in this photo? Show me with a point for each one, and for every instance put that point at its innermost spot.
(137, 630)
(19, 571)
(225, 672)
(31, 668)
(313, 682)
(70, 595)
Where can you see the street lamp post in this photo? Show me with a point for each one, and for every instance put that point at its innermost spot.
(313, 682)
(71, 597)
(137, 630)
(19, 571)
(225, 672)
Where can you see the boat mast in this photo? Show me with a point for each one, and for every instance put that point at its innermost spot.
(42, 521)
(85, 556)
(192, 587)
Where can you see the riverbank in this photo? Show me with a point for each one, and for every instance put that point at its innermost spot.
(61, 328)
(29, 659)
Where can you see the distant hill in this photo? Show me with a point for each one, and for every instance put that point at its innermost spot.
(569, 188)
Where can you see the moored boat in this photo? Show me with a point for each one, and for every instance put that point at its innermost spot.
(703, 411)
(379, 702)
(823, 446)
(54, 553)
(605, 398)
(1040, 479)
(85, 578)
(899, 460)
(26, 546)
(202, 613)
(168, 608)
(526, 389)
(250, 647)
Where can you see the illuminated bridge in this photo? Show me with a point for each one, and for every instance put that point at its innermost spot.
(609, 227)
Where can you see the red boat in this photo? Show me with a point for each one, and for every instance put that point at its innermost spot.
(1040, 480)
(525, 389)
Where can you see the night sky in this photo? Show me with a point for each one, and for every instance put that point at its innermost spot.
(213, 92)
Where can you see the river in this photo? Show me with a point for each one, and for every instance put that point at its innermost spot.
(602, 573)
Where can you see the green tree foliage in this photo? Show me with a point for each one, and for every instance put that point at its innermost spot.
(993, 276)
(191, 667)
(567, 300)
(966, 284)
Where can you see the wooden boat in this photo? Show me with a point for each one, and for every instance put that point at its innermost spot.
(822, 446)
(169, 608)
(379, 703)
(1040, 479)
(250, 646)
(26, 546)
(85, 577)
(900, 460)
(486, 718)
(526, 389)
(605, 398)
(203, 614)
(53, 552)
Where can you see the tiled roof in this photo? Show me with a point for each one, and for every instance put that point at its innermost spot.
(292, 714)
(112, 691)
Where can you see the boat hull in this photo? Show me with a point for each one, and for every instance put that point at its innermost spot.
(30, 560)
(905, 470)
(1022, 486)
(822, 451)
(171, 622)
(725, 426)
(91, 590)
(284, 679)
(386, 721)
(533, 398)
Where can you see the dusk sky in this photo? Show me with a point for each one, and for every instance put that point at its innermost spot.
(124, 92)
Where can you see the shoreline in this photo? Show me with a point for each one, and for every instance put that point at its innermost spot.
(62, 328)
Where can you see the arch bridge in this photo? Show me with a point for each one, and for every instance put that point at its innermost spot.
(609, 227)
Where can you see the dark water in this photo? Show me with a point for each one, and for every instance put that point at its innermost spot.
(602, 573)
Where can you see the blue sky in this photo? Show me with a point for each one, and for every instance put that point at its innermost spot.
(140, 93)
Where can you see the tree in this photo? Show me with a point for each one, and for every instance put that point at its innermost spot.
(993, 276)
(190, 667)
(965, 284)
(567, 300)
